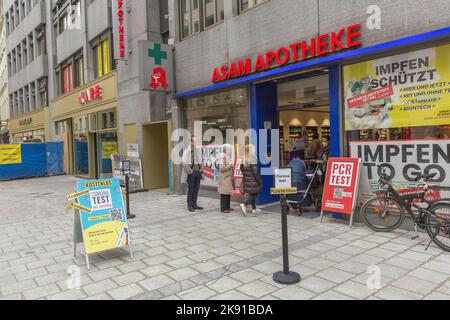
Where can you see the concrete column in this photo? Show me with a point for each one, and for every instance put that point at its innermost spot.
(230, 9)
(177, 122)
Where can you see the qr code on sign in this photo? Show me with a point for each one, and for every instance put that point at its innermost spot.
(116, 214)
(338, 193)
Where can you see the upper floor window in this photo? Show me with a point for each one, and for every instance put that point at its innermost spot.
(197, 15)
(67, 80)
(63, 24)
(102, 56)
(248, 4)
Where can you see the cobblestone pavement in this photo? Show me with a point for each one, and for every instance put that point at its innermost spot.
(208, 255)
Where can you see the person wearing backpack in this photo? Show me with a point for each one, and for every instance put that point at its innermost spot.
(252, 183)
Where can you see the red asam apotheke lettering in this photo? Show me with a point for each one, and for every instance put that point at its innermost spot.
(323, 44)
(121, 28)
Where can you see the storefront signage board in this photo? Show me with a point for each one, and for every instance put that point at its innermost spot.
(91, 94)
(403, 161)
(156, 66)
(341, 186)
(10, 154)
(120, 29)
(406, 90)
(323, 44)
(105, 227)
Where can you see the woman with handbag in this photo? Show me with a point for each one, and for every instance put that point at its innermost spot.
(252, 183)
(226, 181)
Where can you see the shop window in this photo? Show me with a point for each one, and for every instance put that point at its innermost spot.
(398, 118)
(244, 5)
(103, 59)
(107, 120)
(222, 111)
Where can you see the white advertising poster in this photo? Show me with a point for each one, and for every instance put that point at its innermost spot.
(403, 161)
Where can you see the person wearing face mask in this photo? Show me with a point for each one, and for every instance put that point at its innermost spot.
(324, 154)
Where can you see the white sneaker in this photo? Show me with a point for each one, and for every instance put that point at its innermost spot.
(256, 211)
(244, 209)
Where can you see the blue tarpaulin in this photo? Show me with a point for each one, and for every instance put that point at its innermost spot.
(38, 160)
(55, 158)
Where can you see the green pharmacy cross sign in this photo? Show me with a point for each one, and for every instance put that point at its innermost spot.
(156, 66)
(157, 54)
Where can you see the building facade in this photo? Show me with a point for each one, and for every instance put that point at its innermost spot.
(145, 116)
(360, 74)
(84, 107)
(27, 59)
(4, 97)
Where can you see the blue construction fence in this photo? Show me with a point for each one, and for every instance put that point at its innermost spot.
(38, 160)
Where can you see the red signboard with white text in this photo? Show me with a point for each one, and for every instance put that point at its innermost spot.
(120, 29)
(341, 185)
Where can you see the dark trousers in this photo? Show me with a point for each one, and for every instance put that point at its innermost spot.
(193, 188)
(251, 199)
(225, 201)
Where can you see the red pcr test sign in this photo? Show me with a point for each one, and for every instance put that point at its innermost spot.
(341, 185)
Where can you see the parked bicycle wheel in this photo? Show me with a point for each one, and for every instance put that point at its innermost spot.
(382, 215)
(438, 225)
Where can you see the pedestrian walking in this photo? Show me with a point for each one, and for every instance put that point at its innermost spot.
(252, 183)
(192, 174)
(226, 179)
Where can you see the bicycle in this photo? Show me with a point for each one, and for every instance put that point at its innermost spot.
(386, 212)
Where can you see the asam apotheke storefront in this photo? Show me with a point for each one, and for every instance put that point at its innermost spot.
(388, 104)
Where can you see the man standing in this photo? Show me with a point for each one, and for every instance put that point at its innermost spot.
(192, 174)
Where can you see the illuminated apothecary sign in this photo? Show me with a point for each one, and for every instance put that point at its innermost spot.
(321, 45)
(120, 29)
(91, 94)
(156, 66)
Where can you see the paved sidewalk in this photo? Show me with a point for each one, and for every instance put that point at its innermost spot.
(208, 255)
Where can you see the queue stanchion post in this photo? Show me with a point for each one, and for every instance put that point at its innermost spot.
(125, 172)
(286, 276)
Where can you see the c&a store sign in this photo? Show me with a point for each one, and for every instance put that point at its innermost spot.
(91, 94)
(323, 44)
